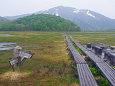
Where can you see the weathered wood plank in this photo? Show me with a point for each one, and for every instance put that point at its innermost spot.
(78, 58)
(85, 76)
(19, 57)
(91, 55)
(107, 70)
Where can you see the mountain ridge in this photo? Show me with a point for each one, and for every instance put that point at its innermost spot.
(86, 19)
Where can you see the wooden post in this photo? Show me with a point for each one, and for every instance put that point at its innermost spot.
(19, 57)
(13, 68)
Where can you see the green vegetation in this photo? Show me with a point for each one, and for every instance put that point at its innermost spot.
(76, 46)
(103, 82)
(48, 67)
(101, 37)
(29, 71)
(73, 76)
(69, 57)
(74, 66)
(98, 76)
(40, 22)
(111, 65)
(75, 79)
(94, 71)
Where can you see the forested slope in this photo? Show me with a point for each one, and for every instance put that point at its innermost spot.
(40, 22)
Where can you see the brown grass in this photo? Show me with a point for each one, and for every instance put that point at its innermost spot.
(14, 75)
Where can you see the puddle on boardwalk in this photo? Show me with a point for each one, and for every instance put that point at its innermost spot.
(7, 46)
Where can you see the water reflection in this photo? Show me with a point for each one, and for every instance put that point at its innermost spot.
(6, 35)
(6, 46)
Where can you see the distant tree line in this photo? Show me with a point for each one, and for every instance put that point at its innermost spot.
(40, 22)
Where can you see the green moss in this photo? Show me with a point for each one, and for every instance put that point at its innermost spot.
(76, 46)
(69, 57)
(29, 71)
(74, 66)
(94, 71)
(70, 78)
(103, 82)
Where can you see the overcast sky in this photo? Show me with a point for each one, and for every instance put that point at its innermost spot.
(17, 7)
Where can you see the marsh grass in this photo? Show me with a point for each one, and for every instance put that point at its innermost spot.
(101, 37)
(48, 67)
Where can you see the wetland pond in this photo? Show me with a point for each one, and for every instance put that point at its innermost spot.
(6, 46)
(6, 35)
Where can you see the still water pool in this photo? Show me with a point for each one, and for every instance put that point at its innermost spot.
(7, 46)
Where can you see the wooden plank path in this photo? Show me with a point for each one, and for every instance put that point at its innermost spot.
(91, 55)
(77, 57)
(85, 76)
(107, 70)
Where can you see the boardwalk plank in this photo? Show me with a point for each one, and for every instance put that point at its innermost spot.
(107, 70)
(85, 76)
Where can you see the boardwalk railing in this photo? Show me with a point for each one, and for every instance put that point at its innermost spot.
(85, 76)
(108, 71)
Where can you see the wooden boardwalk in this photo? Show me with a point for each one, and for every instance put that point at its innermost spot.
(108, 71)
(77, 57)
(91, 55)
(85, 76)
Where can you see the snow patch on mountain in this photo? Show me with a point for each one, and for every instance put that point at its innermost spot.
(76, 11)
(88, 13)
(57, 14)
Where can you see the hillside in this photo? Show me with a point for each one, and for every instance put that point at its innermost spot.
(2, 19)
(40, 22)
(86, 19)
